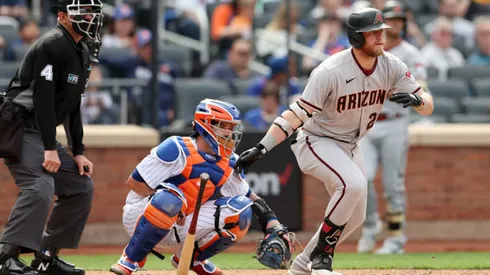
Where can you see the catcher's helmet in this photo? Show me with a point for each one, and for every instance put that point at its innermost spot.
(208, 121)
(396, 9)
(364, 20)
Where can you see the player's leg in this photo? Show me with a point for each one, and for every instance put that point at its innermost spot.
(326, 160)
(68, 218)
(24, 228)
(394, 161)
(221, 224)
(153, 225)
(370, 147)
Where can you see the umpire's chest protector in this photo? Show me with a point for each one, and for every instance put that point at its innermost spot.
(197, 162)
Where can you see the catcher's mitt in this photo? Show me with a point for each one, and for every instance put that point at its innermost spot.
(275, 249)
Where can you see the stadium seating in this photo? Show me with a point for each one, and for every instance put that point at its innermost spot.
(470, 118)
(432, 72)
(480, 105)
(189, 91)
(20, 52)
(452, 88)
(481, 87)
(8, 69)
(468, 72)
(179, 56)
(242, 86)
(445, 107)
(243, 102)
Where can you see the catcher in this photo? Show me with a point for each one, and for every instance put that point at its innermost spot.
(164, 188)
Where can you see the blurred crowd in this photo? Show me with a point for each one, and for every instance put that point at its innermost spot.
(449, 33)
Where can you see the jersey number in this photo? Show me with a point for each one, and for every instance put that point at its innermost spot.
(47, 72)
(372, 120)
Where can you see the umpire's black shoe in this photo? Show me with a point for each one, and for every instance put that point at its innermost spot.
(55, 266)
(15, 266)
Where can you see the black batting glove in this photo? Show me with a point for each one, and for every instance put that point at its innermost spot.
(406, 99)
(248, 157)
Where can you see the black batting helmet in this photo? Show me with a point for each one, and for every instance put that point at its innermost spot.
(364, 20)
(396, 9)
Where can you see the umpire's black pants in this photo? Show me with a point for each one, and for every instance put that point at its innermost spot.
(27, 219)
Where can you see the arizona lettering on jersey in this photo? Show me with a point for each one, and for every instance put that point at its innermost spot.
(360, 99)
(347, 98)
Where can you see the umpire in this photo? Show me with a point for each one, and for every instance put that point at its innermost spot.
(49, 84)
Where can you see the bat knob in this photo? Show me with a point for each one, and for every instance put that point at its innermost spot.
(205, 176)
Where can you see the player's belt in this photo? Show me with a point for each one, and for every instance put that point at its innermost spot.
(384, 116)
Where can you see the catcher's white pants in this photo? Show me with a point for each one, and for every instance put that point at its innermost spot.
(205, 229)
(340, 167)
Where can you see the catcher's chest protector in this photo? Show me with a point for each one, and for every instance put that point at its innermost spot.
(218, 168)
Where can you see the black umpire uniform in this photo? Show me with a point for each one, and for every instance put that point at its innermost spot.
(49, 84)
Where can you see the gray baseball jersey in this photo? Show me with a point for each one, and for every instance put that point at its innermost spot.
(411, 56)
(347, 98)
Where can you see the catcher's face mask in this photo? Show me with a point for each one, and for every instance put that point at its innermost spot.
(86, 17)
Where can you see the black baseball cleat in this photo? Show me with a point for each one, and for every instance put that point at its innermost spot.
(322, 261)
(15, 266)
(55, 266)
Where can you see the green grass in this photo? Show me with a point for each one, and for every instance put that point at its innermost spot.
(453, 260)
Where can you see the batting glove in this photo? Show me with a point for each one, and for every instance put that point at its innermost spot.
(407, 99)
(248, 157)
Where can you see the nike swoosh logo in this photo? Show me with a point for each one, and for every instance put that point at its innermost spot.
(347, 81)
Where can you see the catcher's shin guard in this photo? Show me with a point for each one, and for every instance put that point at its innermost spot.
(159, 217)
(322, 255)
(232, 219)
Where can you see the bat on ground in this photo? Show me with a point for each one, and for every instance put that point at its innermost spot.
(188, 248)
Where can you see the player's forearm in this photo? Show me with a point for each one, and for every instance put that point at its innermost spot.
(282, 128)
(427, 106)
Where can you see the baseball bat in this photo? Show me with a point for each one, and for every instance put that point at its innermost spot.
(188, 248)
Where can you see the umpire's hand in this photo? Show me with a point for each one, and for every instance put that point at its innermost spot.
(85, 166)
(51, 161)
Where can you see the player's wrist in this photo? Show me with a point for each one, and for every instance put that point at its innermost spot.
(261, 148)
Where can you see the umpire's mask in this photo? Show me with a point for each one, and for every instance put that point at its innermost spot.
(86, 17)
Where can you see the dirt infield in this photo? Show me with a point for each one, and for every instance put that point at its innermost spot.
(344, 272)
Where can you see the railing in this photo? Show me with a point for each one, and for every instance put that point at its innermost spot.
(118, 86)
(199, 45)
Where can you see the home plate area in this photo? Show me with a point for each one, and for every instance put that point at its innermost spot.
(344, 272)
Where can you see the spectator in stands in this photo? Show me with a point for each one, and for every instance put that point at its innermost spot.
(14, 8)
(330, 39)
(461, 27)
(138, 65)
(329, 6)
(29, 32)
(230, 21)
(278, 75)
(481, 55)
(273, 39)
(439, 53)
(236, 65)
(123, 28)
(261, 118)
(97, 105)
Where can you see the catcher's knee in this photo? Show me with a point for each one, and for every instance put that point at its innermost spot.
(233, 217)
(164, 208)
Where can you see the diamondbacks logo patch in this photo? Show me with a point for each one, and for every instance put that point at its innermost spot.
(378, 18)
(73, 78)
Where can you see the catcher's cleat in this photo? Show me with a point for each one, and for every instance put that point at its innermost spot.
(124, 266)
(205, 267)
(55, 266)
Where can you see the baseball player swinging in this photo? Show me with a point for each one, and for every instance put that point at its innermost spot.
(340, 104)
(159, 207)
(387, 144)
